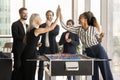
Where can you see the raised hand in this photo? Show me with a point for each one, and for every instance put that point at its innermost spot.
(58, 11)
(60, 14)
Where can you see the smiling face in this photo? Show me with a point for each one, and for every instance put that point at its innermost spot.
(49, 16)
(24, 15)
(70, 24)
(82, 20)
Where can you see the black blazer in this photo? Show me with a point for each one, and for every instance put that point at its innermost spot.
(18, 34)
(52, 40)
(69, 47)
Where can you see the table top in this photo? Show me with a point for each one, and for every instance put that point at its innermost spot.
(65, 57)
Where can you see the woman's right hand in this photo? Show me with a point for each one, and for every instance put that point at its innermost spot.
(102, 34)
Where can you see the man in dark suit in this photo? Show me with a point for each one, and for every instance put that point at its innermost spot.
(18, 33)
(48, 41)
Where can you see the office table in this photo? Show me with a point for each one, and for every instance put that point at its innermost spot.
(5, 67)
(66, 64)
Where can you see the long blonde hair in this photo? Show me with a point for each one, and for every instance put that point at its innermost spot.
(32, 21)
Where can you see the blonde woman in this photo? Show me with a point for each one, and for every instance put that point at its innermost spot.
(32, 37)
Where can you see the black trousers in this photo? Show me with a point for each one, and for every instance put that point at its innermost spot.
(40, 70)
(28, 69)
(16, 73)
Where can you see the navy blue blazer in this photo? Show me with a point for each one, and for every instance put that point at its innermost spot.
(69, 47)
(52, 40)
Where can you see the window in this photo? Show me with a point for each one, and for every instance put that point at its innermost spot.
(15, 5)
(115, 28)
(41, 7)
(8, 14)
(81, 7)
(4, 16)
(95, 8)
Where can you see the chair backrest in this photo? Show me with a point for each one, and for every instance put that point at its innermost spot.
(7, 45)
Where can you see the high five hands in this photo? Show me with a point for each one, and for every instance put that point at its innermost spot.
(59, 12)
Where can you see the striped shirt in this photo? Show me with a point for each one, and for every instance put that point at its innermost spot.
(89, 37)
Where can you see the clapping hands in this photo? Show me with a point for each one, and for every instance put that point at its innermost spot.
(67, 37)
(59, 14)
(48, 23)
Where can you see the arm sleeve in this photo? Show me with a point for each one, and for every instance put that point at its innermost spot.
(97, 34)
(62, 39)
(15, 32)
(74, 29)
(76, 41)
(55, 32)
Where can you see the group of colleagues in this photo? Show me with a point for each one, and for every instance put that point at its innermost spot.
(26, 40)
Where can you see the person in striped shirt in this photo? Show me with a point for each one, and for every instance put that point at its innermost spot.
(91, 37)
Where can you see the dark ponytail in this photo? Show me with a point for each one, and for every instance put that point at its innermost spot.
(87, 16)
(92, 21)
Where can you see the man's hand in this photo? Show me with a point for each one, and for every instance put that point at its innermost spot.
(39, 44)
(67, 37)
(69, 40)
